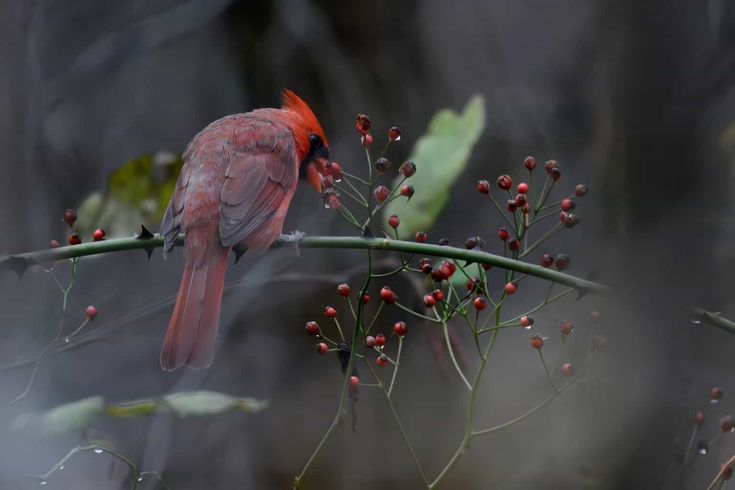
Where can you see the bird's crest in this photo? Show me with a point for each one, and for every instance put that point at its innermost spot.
(294, 103)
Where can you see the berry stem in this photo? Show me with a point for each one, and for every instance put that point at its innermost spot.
(546, 369)
(544, 237)
(414, 313)
(395, 367)
(445, 330)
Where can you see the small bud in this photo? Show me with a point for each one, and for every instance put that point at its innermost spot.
(566, 328)
(438, 294)
(514, 244)
(394, 134)
(91, 312)
(716, 394)
(699, 418)
(367, 140)
(365, 298)
(330, 312)
(400, 329)
(70, 217)
(354, 382)
(322, 348)
(387, 295)
(537, 342)
(98, 235)
(512, 205)
(549, 165)
(382, 165)
(510, 288)
(580, 190)
(479, 303)
(408, 168)
(394, 221)
(74, 239)
(382, 360)
(362, 124)
(54, 244)
(483, 187)
(521, 200)
(547, 260)
(443, 242)
(474, 242)
(503, 234)
(343, 290)
(421, 237)
(555, 173)
(526, 322)
(530, 163)
(566, 369)
(312, 328)
(726, 424)
(335, 171)
(562, 262)
(380, 340)
(370, 341)
(429, 300)
(505, 182)
(570, 220)
(567, 205)
(381, 193)
(407, 190)
(426, 265)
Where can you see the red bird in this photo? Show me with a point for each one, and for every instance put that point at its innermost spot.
(238, 178)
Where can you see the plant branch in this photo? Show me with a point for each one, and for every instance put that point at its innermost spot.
(715, 319)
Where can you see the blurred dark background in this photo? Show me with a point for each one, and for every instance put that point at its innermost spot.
(633, 98)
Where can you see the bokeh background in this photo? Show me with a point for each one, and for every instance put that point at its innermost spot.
(635, 99)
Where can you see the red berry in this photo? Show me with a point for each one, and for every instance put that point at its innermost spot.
(380, 340)
(473, 283)
(394, 133)
(440, 273)
(70, 217)
(438, 294)
(550, 165)
(330, 312)
(382, 165)
(521, 200)
(547, 260)
(54, 244)
(429, 300)
(480, 303)
(537, 342)
(362, 124)
(569, 219)
(555, 173)
(370, 341)
(74, 239)
(381, 193)
(580, 190)
(505, 182)
(382, 360)
(514, 244)
(367, 140)
(408, 168)
(510, 288)
(503, 234)
(716, 394)
(354, 382)
(522, 188)
(451, 266)
(394, 221)
(422, 237)
(343, 290)
(529, 163)
(407, 190)
(426, 265)
(526, 321)
(387, 295)
(566, 369)
(365, 298)
(566, 328)
(91, 312)
(726, 424)
(483, 187)
(98, 235)
(322, 348)
(335, 171)
(312, 328)
(400, 329)
(567, 204)
(562, 262)
(512, 205)
(699, 418)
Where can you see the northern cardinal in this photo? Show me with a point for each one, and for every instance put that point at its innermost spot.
(235, 186)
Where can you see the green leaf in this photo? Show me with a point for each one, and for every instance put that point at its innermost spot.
(64, 418)
(440, 156)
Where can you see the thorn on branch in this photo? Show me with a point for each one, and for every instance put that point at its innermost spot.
(144, 234)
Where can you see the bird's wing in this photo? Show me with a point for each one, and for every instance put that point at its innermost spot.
(171, 224)
(258, 179)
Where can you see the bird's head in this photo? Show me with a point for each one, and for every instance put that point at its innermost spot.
(312, 146)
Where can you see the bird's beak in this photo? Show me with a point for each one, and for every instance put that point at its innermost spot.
(314, 171)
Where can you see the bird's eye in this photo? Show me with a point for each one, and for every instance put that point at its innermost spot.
(315, 140)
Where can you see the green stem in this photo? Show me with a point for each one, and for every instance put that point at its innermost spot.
(445, 330)
(715, 320)
(23, 260)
